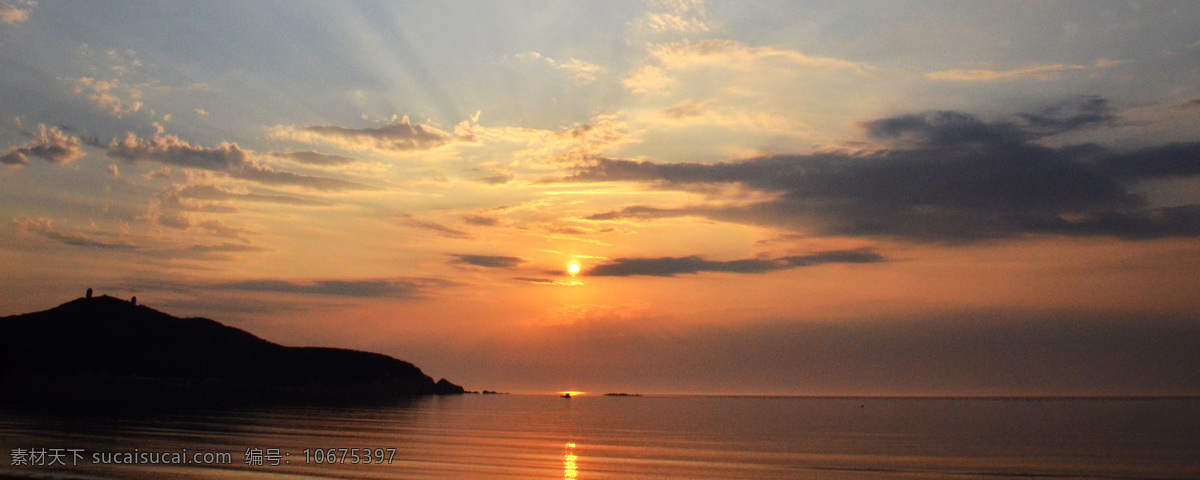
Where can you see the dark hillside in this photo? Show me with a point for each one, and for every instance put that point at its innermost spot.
(106, 343)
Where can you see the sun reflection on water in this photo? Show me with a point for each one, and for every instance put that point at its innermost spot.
(570, 470)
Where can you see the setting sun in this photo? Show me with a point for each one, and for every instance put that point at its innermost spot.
(573, 268)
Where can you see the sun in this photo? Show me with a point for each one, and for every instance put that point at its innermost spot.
(573, 268)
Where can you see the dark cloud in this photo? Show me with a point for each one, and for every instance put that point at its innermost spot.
(226, 157)
(684, 110)
(939, 129)
(495, 179)
(235, 299)
(50, 144)
(540, 281)
(481, 220)
(371, 288)
(950, 177)
(169, 149)
(42, 227)
(1187, 104)
(222, 248)
(488, 261)
(14, 157)
(221, 251)
(397, 137)
(440, 229)
(671, 266)
(1176, 160)
(1068, 116)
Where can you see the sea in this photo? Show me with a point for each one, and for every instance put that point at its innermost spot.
(621, 437)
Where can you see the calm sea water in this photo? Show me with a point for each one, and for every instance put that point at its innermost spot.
(516, 436)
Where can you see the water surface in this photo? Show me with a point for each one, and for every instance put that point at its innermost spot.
(594, 437)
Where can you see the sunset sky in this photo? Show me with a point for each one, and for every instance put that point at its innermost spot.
(762, 197)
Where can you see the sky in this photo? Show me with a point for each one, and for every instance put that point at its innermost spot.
(794, 198)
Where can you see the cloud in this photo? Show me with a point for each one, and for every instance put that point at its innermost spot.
(1038, 72)
(648, 79)
(481, 220)
(225, 157)
(438, 228)
(671, 266)
(583, 72)
(50, 144)
(312, 158)
(548, 149)
(397, 137)
(14, 158)
(169, 149)
(548, 281)
(268, 176)
(488, 261)
(405, 288)
(42, 227)
(735, 55)
(14, 12)
(677, 16)
(500, 179)
(1187, 104)
(213, 192)
(940, 129)
(692, 113)
(667, 59)
(113, 96)
(946, 176)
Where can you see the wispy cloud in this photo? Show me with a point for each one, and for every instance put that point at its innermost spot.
(411, 221)
(649, 78)
(312, 158)
(213, 192)
(42, 226)
(667, 59)
(225, 157)
(113, 96)
(549, 149)
(481, 220)
(671, 266)
(1037, 72)
(692, 113)
(362, 288)
(549, 281)
(405, 288)
(581, 71)
(677, 16)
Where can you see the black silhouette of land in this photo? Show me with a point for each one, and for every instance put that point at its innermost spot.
(103, 351)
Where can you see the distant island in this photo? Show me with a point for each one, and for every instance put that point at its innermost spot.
(108, 351)
(622, 394)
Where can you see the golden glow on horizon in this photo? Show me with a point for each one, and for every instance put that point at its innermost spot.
(573, 394)
(573, 268)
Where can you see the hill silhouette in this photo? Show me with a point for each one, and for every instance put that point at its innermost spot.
(108, 349)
